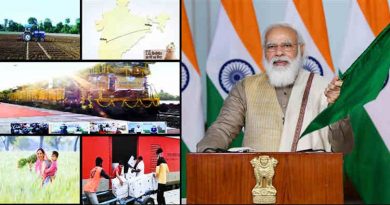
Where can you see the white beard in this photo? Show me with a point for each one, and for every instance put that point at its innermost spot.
(281, 76)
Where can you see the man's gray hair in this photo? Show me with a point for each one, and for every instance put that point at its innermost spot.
(283, 25)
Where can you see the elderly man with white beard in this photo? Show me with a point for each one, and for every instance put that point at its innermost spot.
(274, 108)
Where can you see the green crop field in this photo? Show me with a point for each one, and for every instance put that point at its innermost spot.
(22, 186)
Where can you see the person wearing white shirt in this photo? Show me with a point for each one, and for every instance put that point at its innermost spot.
(139, 167)
(94, 128)
(138, 129)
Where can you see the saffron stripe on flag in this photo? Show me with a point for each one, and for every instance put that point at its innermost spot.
(312, 26)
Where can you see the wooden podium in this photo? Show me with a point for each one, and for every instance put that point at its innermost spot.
(300, 178)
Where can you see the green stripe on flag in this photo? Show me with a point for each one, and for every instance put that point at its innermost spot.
(362, 82)
(183, 168)
(368, 165)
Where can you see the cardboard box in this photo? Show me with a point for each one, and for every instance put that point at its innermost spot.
(130, 175)
(118, 190)
(140, 185)
(152, 181)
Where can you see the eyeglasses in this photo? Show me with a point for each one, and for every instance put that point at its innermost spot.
(286, 47)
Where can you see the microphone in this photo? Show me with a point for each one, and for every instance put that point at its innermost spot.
(312, 150)
(231, 150)
(212, 149)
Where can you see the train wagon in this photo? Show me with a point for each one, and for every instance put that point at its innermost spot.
(113, 88)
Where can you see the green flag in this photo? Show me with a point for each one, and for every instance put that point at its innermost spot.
(362, 82)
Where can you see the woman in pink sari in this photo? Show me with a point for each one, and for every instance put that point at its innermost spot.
(42, 162)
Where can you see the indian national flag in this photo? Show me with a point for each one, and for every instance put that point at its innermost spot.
(365, 97)
(234, 54)
(368, 166)
(191, 90)
(308, 18)
(193, 123)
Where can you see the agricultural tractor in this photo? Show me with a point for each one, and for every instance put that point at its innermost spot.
(31, 31)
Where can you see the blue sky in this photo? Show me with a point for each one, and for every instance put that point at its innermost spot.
(57, 10)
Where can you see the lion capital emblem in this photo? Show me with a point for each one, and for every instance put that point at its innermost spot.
(264, 192)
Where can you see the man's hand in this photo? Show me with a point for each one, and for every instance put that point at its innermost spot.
(332, 92)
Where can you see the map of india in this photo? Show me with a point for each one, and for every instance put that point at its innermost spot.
(121, 30)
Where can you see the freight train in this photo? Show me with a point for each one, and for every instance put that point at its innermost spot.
(107, 88)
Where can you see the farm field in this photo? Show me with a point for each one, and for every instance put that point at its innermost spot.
(22, 186)
(53, 48)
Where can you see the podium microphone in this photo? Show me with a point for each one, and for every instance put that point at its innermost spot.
(217, 150)
(231, 150)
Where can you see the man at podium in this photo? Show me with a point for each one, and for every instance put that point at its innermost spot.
(274, 108)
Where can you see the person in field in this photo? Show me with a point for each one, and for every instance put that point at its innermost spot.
(41, 163)
(49, 173)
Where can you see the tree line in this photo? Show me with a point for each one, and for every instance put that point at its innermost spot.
(46, 25)
(166, 96)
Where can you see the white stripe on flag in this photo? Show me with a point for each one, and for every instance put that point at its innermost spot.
(226, 46)
(377, 111)
(192, 107)
(292, 17)
(358, 37)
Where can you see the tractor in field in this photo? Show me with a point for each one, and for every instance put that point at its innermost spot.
(32, 32)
